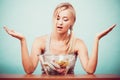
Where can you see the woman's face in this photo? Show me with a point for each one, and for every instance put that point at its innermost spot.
(63, 21)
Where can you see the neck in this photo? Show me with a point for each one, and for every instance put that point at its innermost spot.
(59, 37)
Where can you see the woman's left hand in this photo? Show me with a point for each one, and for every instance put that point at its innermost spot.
(105, 32)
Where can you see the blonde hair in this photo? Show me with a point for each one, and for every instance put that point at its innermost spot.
(58, 9)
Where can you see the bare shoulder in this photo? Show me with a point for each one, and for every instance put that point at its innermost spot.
(79, 41)
(79, 44)
(40, 41)
(41, 38)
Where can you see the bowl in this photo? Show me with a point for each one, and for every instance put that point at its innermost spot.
(57, 64)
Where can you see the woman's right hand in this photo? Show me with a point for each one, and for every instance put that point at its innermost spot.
(14, 33)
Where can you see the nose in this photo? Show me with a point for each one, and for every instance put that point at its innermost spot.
(60, 22)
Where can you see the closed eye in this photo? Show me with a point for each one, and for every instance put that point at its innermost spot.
(65, 19)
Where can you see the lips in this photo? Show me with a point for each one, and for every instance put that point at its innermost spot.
(59, 27)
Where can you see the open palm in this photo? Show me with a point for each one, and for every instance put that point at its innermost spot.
(14, 33)
(105, 32)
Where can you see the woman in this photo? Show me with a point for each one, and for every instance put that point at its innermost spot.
(60, 41)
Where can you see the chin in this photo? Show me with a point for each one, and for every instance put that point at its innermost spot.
(60, 32)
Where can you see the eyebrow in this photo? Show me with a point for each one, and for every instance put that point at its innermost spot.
(63, 16)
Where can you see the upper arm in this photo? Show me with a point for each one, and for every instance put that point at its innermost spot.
(37, 47)
(82, 52)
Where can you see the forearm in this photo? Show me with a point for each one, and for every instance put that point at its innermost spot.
(92, 63)
(26, 61)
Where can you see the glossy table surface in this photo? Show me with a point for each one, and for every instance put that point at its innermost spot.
(67, 77)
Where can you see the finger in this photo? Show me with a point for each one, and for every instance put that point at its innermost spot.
(112, 26)
(6, 29)
(50, 65)
(12, 31)
(9, 31)
(54, 64)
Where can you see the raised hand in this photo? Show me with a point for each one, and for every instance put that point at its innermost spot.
(105, 32)
(14, 33)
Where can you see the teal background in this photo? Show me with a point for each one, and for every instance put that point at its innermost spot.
(34, 17)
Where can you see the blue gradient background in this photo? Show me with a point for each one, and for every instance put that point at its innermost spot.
(33, 18)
